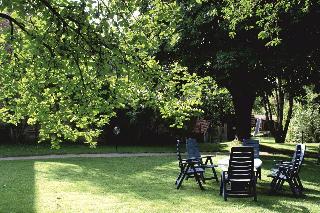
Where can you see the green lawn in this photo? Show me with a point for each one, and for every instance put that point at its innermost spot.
(7, 150)
(141, 184)
(266, 145)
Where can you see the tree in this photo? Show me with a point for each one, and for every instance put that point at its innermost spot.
(292, 65)
(72, 64)
(238, 43)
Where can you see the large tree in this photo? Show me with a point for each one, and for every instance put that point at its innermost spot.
(248, 46)
(293, 64)
(69, 65)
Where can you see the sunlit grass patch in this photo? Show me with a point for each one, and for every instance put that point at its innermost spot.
(138, 184)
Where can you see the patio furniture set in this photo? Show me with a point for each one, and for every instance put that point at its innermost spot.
(240, 171)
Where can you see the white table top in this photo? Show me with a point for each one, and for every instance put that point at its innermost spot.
(224, 163)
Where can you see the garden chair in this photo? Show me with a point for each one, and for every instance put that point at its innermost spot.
(288, 171)
(255, 145)
(189, 168)
(239, 180)
(299, 153)
(206, 161)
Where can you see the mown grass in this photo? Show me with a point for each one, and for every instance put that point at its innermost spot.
(138, 184)
(268, 145)
(11, 150)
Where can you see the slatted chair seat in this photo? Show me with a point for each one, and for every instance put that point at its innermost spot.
(239, 180)
(198, 170)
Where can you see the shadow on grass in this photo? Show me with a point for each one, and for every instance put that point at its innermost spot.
(152, 179)
(17, 186)
(287, 149)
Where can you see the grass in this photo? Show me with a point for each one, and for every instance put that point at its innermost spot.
(10, 150)
(266, 145)
(138, 184)
(44, 149)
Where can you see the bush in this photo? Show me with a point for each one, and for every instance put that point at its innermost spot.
(306, 119)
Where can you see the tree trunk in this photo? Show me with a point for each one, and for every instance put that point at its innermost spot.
(243, 100)
(289, 116)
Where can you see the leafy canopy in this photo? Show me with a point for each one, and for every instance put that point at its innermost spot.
(69, 65)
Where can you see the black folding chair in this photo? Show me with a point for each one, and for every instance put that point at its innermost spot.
(206, 161)
(288, 171)
(189, 168)
(240, 179)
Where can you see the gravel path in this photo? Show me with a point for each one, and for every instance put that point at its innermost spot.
(107, 155)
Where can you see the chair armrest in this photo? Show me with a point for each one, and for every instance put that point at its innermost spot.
(193, 161)
(211, 156)
(284, 168)
(285, 162)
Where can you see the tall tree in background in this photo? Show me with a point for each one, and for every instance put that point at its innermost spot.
(293, 64)
(250, 48)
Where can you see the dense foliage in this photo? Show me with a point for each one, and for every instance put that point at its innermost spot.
(252, 48)
(305, 124)
(69, 65)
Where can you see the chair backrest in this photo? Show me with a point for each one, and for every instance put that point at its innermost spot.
(254, 144)
(179, 153)
(296, 160)
(298, 156)
(241, 163)
(192, 148)
(300, 151)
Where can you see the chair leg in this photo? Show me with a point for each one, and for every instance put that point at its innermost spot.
(279, 185)
(273, 184)
(202, 178)
(196, 176)
(182, 177)
(292, 187)
(221, 186)
(254, 191)
(297, 186)
(300, 183)
(225, 191)
(259, 173)
(215, 175)
(180, 174)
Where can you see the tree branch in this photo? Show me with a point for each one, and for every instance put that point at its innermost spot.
(12, 20)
